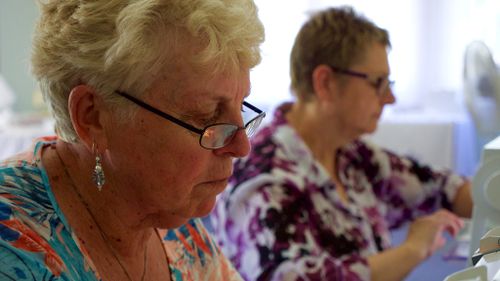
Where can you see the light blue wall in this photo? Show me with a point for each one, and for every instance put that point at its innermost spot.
(17, 19)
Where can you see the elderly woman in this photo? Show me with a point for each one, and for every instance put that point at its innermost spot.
(313, 201)
(148, 97)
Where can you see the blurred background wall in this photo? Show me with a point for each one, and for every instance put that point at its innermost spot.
(429, 38)
(17, 18)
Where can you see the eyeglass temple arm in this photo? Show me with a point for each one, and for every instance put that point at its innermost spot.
(171, 118)
(158, 112)
(349, 72)
(252, 107)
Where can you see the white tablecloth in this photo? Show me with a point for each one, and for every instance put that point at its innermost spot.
(18, 136)
(441, 139)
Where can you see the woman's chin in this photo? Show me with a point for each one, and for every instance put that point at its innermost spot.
(372, 128)
(205, 207)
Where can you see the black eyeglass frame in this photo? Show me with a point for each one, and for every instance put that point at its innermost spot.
(260, 115)
(377, 82)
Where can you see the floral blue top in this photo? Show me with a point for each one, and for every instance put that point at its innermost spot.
(282, 219)
(37, 244)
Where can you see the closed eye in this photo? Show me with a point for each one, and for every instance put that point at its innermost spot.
(379, 81)
(212, 118)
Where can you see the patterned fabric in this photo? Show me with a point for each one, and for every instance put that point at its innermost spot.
(282, 219)
(36, 242)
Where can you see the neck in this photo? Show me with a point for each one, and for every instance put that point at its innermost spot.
(318, 131)
(112, 211)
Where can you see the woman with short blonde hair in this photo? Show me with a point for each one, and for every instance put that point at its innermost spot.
(315, 201)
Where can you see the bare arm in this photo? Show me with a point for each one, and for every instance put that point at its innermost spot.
(395, 263)
(425, 236)
(462, 203)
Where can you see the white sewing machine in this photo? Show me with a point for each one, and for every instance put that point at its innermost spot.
(486, 261)
(485, 248)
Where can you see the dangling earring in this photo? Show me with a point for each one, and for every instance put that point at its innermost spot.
(98, 173)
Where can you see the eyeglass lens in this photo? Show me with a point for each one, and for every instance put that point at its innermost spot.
(217, 136)
(252, 126)
(383, 86)
(220, 135)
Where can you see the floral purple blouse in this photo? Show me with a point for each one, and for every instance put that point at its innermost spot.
(282, 219)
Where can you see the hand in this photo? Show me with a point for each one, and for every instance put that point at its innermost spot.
(425, 234)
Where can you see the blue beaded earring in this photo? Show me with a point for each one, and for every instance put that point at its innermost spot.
(98, 173)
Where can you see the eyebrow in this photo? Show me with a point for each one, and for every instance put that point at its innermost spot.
(217, 100)
(223, 98)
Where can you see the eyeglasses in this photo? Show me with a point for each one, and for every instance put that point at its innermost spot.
(381, 84)
(213, 136)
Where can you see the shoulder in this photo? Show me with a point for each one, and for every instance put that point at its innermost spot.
(278, 153)
(23, 187)
(33, 240)
(26, 219)
(23, 213)
(366, 158)
(274, 135)
(194, 255)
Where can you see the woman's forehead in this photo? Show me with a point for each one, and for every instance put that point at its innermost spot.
(374, 59)
(199, 88)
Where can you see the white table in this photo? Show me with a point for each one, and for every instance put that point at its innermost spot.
(19, 135)
(440, 139)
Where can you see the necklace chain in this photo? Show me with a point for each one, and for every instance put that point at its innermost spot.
(101, 232)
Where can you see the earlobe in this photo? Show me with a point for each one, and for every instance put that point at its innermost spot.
(85, 110)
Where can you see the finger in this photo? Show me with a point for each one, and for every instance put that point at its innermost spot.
(457, 224)
(453, 227)
(446, 215)
(439, 243)
(452, 222)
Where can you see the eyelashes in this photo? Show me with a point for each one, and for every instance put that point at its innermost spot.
(216, 116)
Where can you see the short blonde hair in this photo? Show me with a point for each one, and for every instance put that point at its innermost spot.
(116, 44)
(335, 36)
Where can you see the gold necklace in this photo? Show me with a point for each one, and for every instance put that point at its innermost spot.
(101, 232)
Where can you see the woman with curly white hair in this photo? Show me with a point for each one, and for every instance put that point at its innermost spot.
(149, 102)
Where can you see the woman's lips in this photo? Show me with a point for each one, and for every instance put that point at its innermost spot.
(219, 184)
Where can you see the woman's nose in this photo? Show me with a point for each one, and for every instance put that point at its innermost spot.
(389, 97)
(238, 147)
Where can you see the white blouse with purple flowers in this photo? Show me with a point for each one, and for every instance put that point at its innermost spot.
(282, 219)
